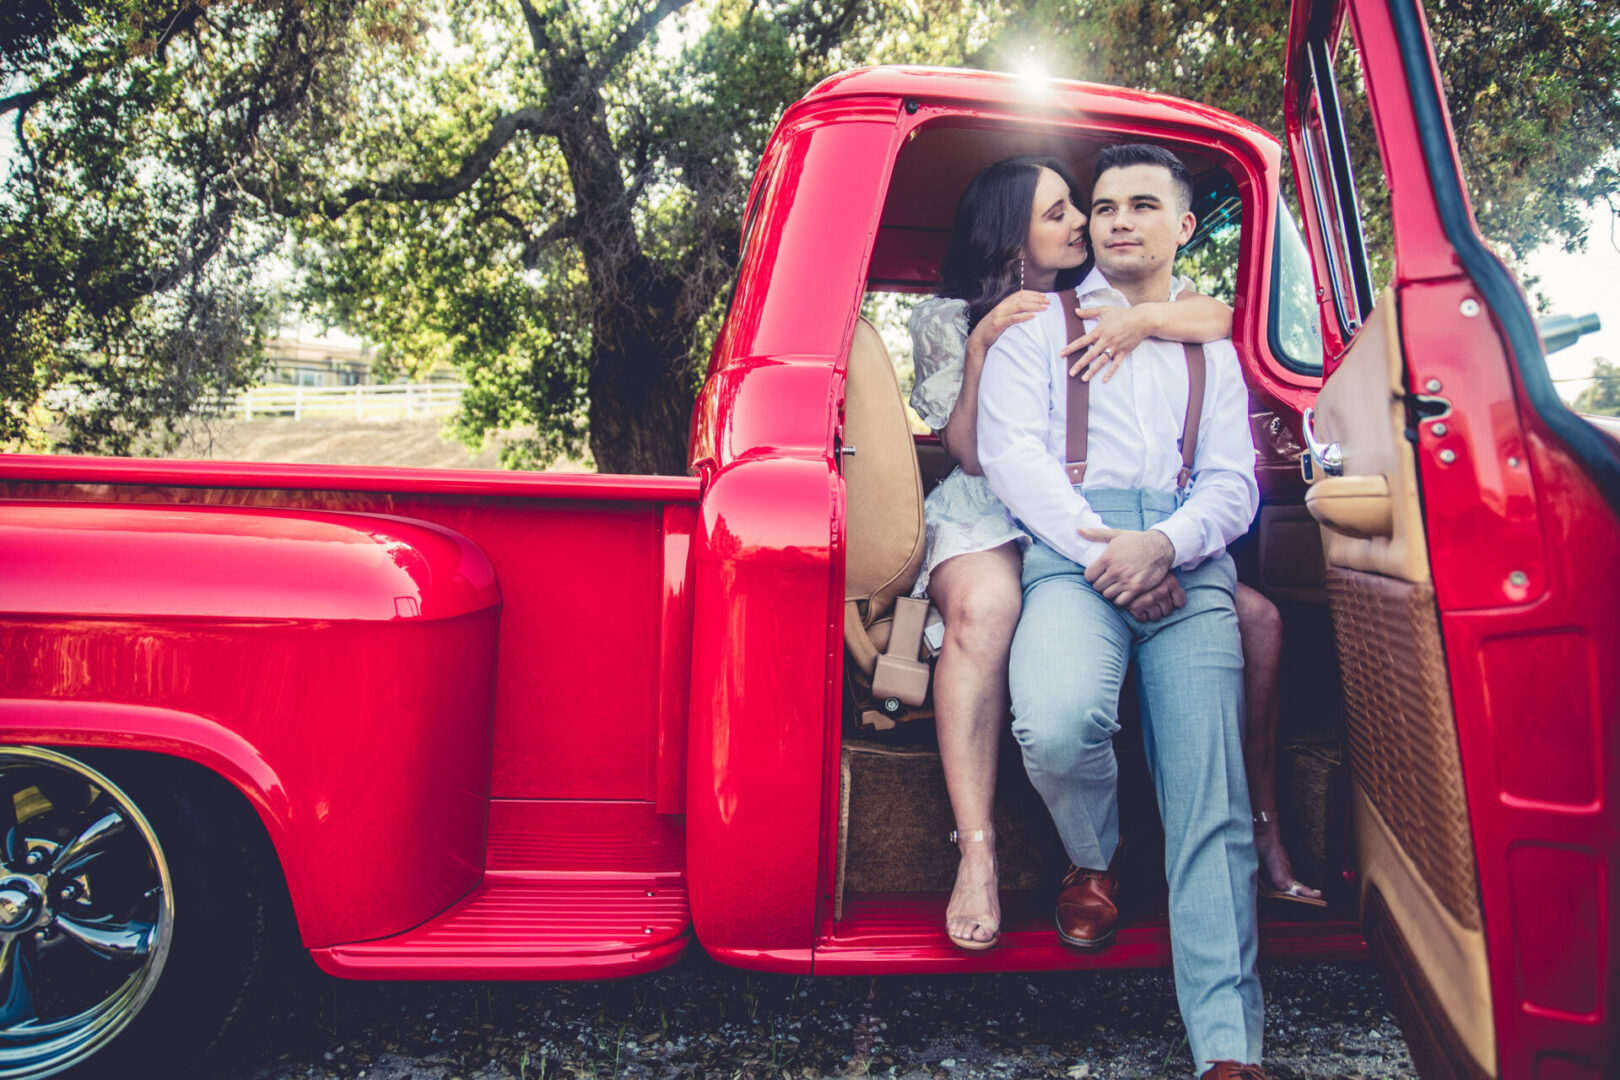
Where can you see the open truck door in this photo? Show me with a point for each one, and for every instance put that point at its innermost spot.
(1471, 524)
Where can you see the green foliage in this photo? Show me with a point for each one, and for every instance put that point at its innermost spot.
(547, 195)
(132, 290)
(1602, 398)
(1533, 87)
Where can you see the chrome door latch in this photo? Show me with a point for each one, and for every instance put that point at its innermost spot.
(1327, 455)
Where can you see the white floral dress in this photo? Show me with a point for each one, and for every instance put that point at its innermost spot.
(962, 514)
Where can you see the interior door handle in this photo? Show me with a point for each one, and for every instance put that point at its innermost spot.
(1327, 455)
(1357, 506)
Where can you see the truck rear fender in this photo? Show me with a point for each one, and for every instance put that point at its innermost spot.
(68, 726)
(337, 668)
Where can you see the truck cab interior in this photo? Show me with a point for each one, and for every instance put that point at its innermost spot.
(894, 866)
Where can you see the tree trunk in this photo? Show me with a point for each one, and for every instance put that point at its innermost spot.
(639, 418)
(640, 383)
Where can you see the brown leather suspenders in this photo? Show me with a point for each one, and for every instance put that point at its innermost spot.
(1079, 408)
(1074, 455)
(1188, 443)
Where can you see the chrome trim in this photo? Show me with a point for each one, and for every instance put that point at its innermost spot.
(1327, 455)
(100, 884)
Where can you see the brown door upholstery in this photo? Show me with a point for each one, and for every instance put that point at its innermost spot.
(1414, 847)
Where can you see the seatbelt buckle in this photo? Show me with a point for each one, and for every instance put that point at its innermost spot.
(900, 675)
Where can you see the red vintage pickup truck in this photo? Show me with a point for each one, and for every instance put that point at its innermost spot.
(522, 726)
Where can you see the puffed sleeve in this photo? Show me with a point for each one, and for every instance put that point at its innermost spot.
(939, 334)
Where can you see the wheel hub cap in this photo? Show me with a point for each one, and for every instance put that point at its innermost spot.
(85, 916)
(22, 903)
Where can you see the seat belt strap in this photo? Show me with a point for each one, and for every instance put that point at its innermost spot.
(1079, 399)
(1188, 443)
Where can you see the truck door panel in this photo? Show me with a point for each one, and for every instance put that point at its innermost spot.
(1473, 593)
(1413, 843)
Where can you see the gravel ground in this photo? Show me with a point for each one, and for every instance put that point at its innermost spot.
(709, 1022)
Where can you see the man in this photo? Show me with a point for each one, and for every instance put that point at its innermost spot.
(1112, 522)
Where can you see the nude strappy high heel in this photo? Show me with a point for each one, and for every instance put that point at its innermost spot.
(979, 836)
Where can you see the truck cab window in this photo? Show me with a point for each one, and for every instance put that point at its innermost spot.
(1343, 180)
(1295, 326)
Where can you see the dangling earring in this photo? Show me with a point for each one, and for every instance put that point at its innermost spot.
(1020, 272)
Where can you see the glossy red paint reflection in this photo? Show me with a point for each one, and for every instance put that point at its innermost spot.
(377, 815)
(379, 741)
(87, 560)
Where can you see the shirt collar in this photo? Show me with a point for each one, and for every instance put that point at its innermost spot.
(1096, 286)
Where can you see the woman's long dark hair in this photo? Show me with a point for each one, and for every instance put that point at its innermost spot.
(992, 223)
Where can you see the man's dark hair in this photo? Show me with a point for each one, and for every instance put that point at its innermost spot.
(1128, 154)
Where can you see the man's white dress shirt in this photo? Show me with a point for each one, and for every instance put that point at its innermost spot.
(1135, 419)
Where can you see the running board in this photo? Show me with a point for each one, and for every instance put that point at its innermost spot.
(513, 927)
(904, 934)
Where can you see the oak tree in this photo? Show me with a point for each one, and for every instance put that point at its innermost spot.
(546, 193)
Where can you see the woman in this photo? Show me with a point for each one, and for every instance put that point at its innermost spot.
(1017, 236)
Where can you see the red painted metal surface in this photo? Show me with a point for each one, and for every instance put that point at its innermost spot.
(1537, 698)
(515, 928)
(81, 560)
(674, 660)
(364, 745)
(903, 933)
(261, 476)
(577, 670)
(765, 646)
(584, 838)
(760, 706)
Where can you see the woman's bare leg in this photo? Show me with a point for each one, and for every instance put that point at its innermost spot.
(1260, 626)
(979, 596)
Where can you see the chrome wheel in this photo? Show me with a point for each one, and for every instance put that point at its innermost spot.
(86, 911)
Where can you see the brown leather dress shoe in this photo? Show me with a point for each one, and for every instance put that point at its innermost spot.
(1087, 908)
(1232, 1070)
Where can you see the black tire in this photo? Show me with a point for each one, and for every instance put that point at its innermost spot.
(200, 964)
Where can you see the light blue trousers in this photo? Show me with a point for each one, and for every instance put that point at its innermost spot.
(1069, 659)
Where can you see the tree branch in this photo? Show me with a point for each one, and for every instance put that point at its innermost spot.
(183, 18)
(535, 246)
(829, 34)
(633, 35)
(538, 34)
(475, 166)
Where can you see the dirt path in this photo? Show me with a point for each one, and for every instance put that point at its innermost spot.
(420, 443)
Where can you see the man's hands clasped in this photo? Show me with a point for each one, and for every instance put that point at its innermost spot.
(1134, 571)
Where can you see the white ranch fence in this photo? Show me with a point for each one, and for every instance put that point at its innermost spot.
(360, 402)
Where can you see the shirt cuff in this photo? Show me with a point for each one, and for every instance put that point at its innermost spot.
(1185, 538)
(1088, 552)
